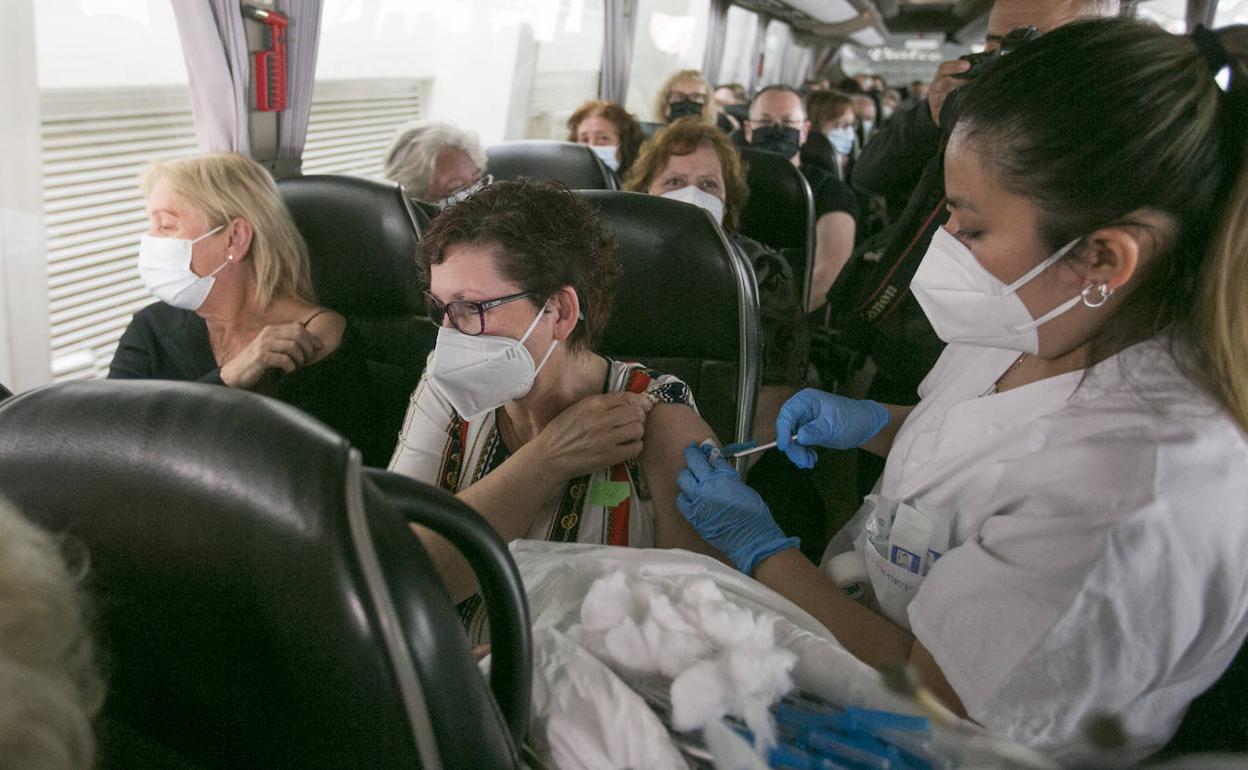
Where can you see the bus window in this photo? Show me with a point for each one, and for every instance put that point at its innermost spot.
(113, 96)
(569, 60)
(503, 69)
(1168, 14)
(740, 47)
(1231, 12)
(670, 36)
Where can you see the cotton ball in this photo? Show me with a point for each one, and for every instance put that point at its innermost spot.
(606, 602)
(698, 697)
(725, 624)
(699, 592)
(641, 594)
(626, 646)
(679, 651)
(668, 618)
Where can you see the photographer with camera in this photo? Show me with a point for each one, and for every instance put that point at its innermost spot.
(873, 310)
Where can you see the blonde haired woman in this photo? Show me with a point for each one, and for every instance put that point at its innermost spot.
(685, 94)
(49, 688)
(236, 305)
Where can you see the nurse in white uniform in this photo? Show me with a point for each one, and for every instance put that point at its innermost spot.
(1061, 528)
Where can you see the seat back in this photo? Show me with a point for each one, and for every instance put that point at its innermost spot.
(780, 211)
(650, 128)
(687, 304)
(539, 160)
(362, 236)
(257, 603)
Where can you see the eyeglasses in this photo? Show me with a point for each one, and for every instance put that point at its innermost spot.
(757, 124)
(467, 317)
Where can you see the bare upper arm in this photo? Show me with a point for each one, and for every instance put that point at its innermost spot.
(669, 429)
(328, 327)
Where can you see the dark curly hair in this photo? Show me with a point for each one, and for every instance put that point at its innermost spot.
(547, 238)
(625, 125)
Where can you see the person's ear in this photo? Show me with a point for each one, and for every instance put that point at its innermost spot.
(238, 245)
(1111, 257)
(749, 131)
(566, 306)
(805, 132)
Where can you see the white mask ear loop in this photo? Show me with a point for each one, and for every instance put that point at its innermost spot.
(529, 331)
(1040, 268)
(1037, 270)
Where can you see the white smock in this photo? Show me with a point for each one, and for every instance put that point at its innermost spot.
(1089, 544)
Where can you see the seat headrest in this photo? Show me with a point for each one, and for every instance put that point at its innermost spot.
(538, 160)
(780, 210)
(679, 293)
(649, 128)
(362, 239)
(238, 568)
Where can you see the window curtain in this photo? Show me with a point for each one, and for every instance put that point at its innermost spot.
(302, 42)
(617, 49)
(796, 64)
(756, 61)
(215, 49)
(716, 33)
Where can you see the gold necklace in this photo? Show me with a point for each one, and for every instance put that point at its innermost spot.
(996, 386)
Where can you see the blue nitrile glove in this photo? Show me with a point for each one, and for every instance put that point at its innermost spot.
(822, 419)
(725, 512)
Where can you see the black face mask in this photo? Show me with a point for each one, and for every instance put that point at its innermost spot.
(685, 108)
(781, 140)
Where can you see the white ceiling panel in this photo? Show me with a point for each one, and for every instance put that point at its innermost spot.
(869, 37)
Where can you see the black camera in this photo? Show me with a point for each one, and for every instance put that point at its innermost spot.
(979, 61)
(1013, 39)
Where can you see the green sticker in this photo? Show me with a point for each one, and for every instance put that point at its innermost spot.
(608, 493)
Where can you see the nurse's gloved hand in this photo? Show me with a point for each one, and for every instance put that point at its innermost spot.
(820, 419)
(725, 512)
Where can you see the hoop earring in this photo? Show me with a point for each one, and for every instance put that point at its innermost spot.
(1104, 291)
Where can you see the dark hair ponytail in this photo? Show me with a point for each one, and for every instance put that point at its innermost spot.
(1098, 120)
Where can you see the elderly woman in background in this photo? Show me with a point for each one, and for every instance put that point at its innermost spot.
(685, 94)
(49, 687)
(609, 130)
(516, 413)
(236, 305)
(437, 163)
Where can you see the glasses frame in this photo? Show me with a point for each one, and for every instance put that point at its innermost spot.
(757, 124)
(480, 308)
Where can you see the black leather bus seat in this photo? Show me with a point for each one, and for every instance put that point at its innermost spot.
(539, 160)
(687, 304)
(362, 236)
(257, 602)
(780, 211)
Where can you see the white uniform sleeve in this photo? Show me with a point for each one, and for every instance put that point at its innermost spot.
(424, 435)
(1099, 588)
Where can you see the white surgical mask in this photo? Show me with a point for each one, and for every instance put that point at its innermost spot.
(699, 198)
(165, 267)
(457, 196)
(970, 305)
(842, 139)
(867, 125)
(608, 154)
(477, 374)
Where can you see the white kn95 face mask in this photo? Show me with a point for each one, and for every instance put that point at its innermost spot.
(967, 304)
(479, 373)
(700, 198)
